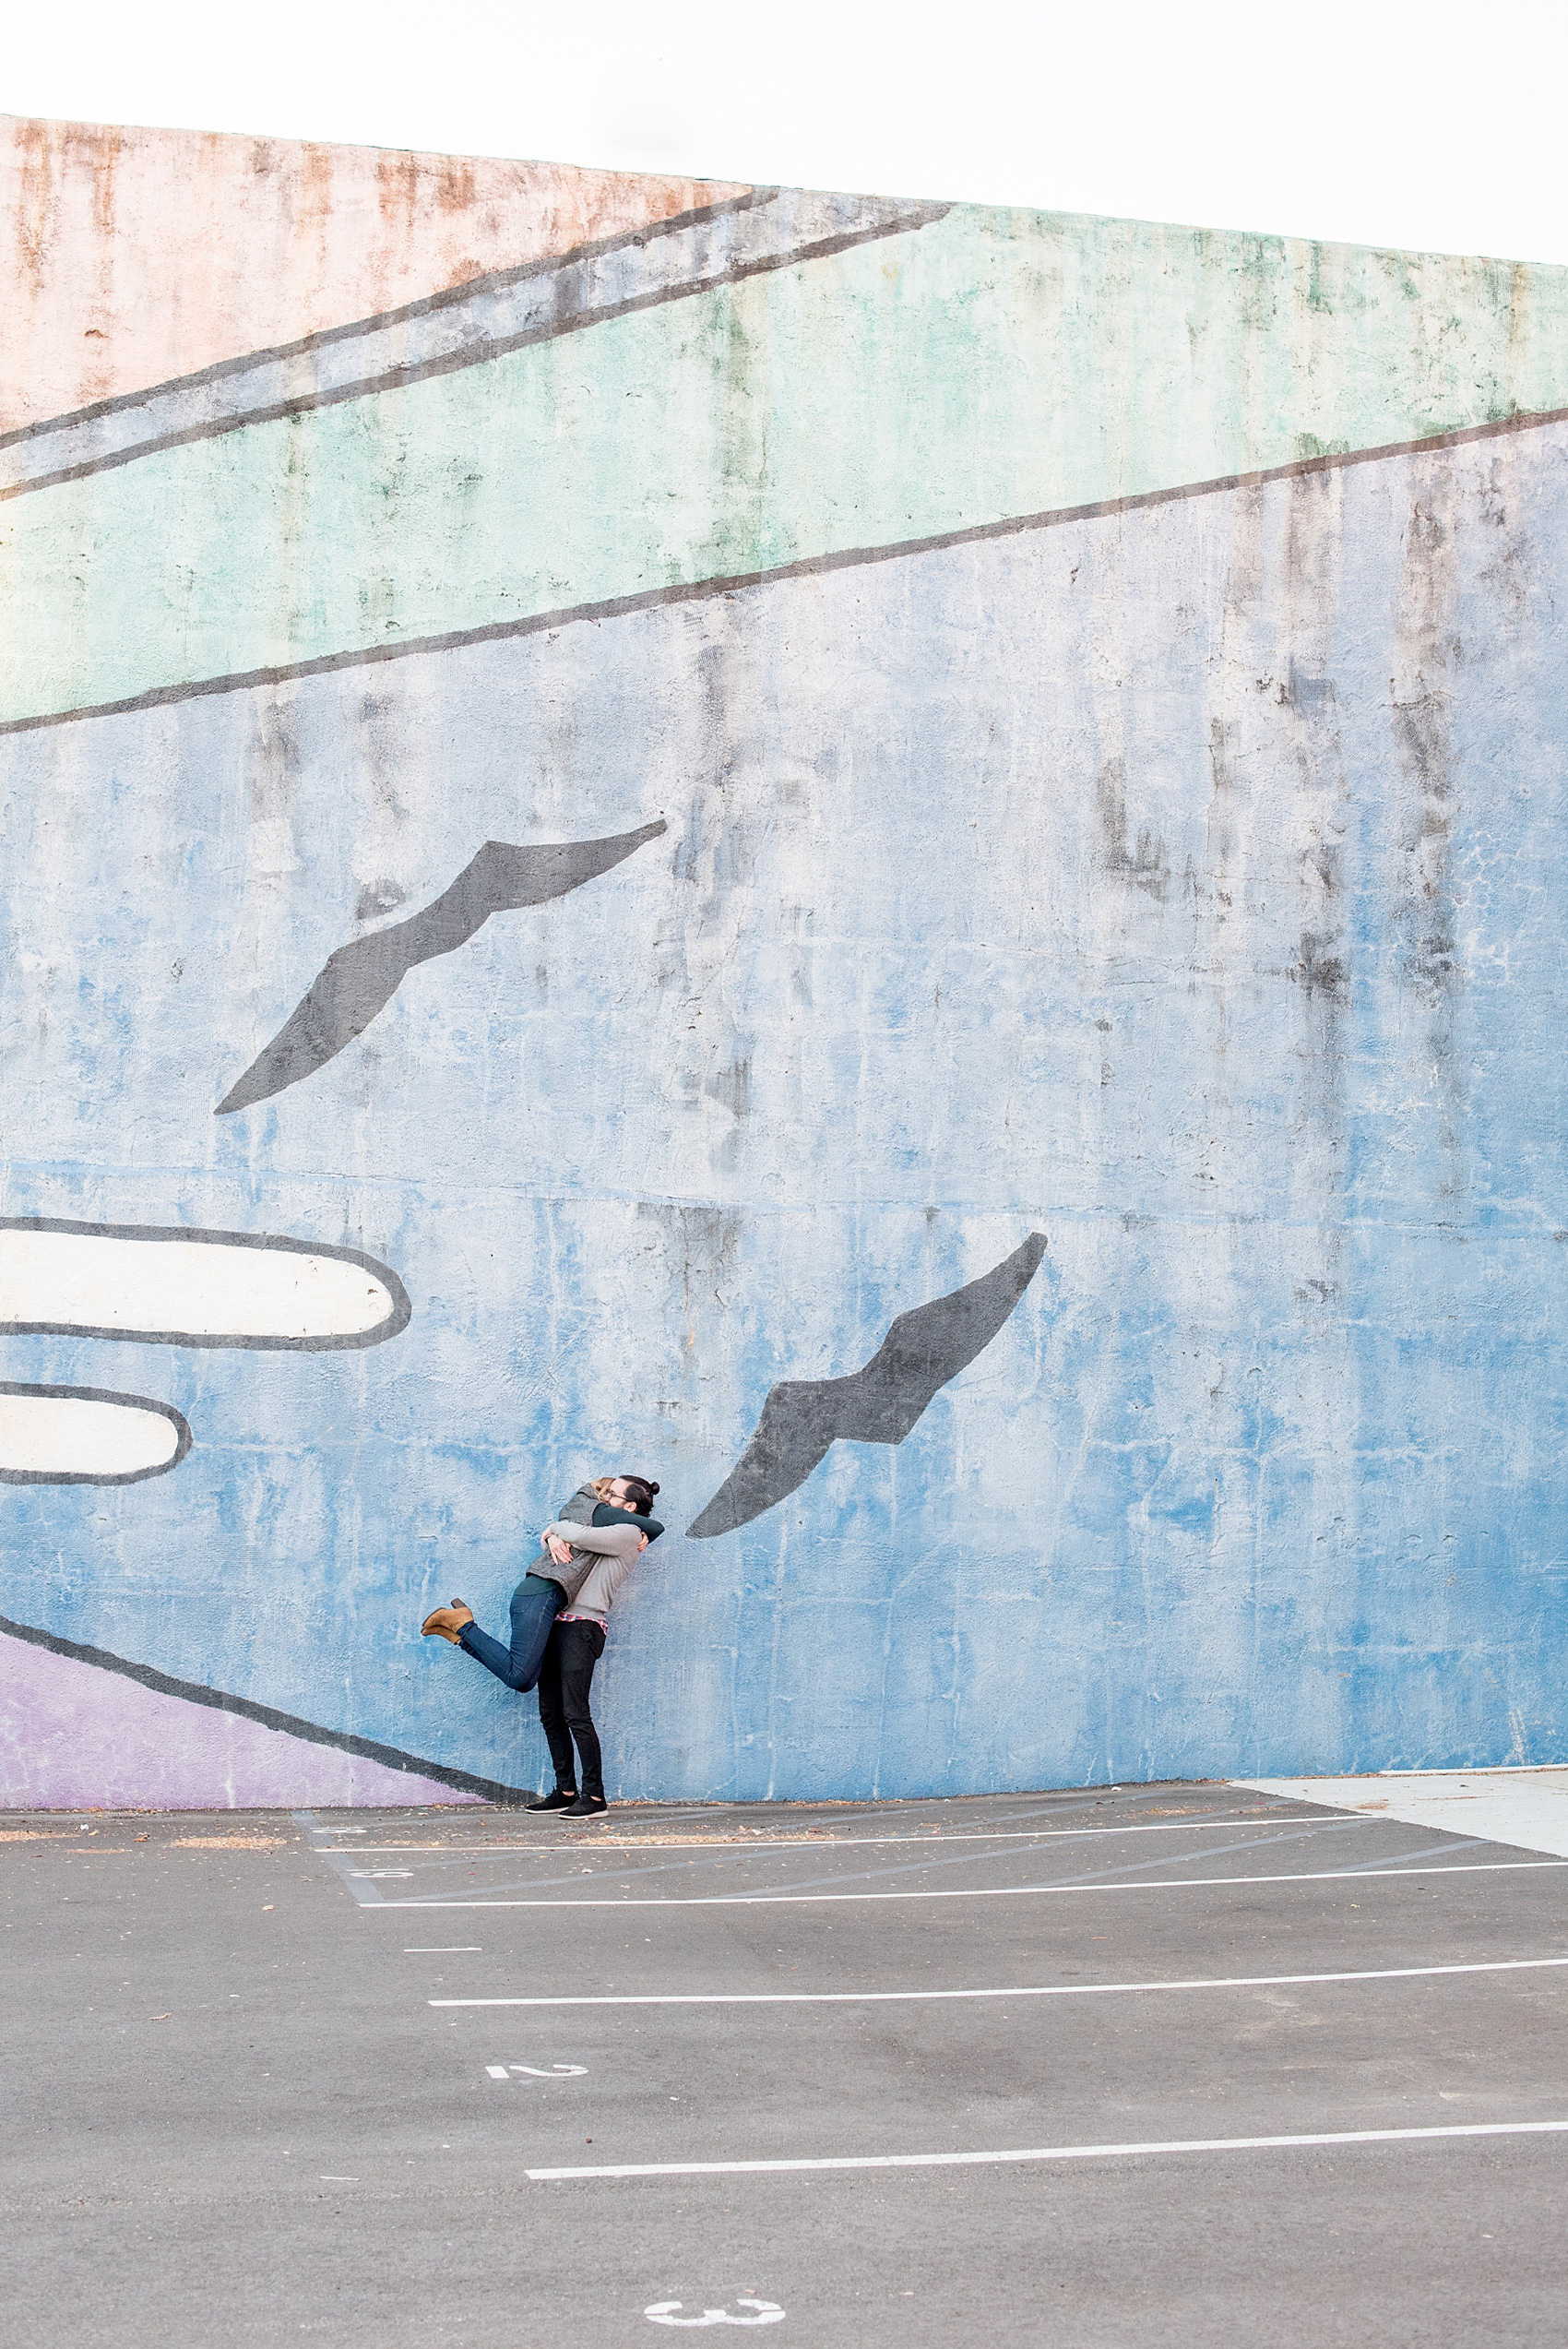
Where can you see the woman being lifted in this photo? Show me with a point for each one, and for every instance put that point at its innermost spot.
(560, 1616)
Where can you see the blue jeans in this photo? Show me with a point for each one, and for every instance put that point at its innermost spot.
(535, 1605)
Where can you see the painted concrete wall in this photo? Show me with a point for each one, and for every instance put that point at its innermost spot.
(134, 255)
(1101, 690)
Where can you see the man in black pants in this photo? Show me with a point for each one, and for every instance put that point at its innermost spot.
(576, 1641)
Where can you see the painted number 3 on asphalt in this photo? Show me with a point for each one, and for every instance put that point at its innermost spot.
(764, 2312)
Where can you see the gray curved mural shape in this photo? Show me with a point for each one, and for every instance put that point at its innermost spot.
(361, 978)
(879, 1404)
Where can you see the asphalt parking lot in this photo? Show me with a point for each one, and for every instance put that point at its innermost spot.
(1180, 2064)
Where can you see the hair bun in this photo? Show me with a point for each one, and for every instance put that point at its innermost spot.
(653, 1489)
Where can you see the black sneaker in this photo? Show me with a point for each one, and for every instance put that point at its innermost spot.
(556, 1802)
(585, 1806)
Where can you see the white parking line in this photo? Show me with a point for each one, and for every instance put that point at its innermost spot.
(465, 1854)
(1061, 2153)
(625, 1875)
(1041, 1990)
(987, 1891)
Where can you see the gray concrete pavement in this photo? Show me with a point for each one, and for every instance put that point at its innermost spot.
(272, 2079)
(1510, 1804)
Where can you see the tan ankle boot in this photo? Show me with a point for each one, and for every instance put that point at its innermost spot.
(446, 1622)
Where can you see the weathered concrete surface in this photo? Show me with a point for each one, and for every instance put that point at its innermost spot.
(948, 374)
(1187, 886)
(132, 256)
(1172, 865)
(1526, 1807)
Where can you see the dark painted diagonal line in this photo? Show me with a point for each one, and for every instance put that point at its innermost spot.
(1427, 1851)
(193, 1692)
(428, 306)
(620, 607)
(369, 1896)
(400, 378)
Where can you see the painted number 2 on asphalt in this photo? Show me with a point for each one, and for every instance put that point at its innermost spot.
(533, 2071)
(668, 2312)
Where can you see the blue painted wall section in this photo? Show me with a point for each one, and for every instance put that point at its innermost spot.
(1185, 881)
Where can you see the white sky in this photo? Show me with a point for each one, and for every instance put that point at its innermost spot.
(1384, 122)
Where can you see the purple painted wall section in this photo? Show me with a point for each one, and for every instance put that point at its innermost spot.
(72, 1737)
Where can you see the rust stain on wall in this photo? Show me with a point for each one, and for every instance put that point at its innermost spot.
(142, 255)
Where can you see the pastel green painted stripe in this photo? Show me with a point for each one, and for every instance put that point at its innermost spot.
(991, 364)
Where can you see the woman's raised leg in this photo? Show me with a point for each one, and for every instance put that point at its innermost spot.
(535, 1605)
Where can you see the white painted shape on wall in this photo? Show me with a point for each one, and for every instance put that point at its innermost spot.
(198, 1289)
(60, 1436)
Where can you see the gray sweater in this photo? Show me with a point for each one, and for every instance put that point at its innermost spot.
(616, 1549)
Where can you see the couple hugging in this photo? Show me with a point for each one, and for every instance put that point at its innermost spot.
(560, 1615)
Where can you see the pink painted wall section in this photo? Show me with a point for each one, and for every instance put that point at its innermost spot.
(134, 255)
(74, 1737)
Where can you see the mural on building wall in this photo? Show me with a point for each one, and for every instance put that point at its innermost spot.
(361, 977)
(980, 725)
(878, 1404)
